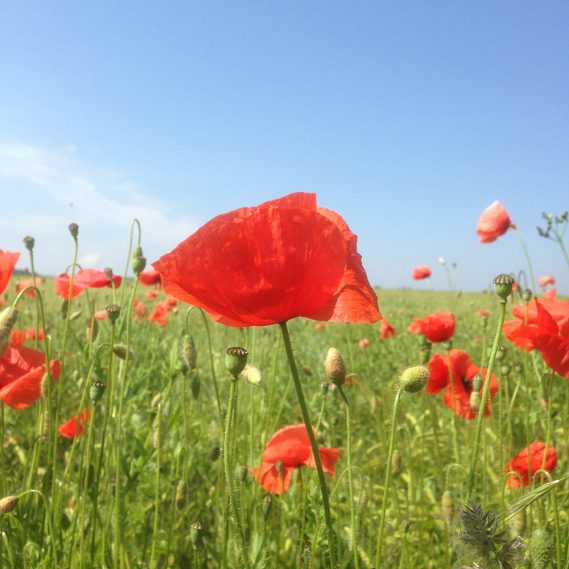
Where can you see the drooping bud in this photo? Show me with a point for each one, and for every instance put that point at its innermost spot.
(189, 352)
(235, 360)
(504, 284)
(413, 379)
(447, 508)
(113, 312)
(540, 549)
(8, 318)
(8, 504)
(123, 352)
(96, 391)
(29, 242)
(527, 295)
(138, 260)
(181, 494)
(74, 230)
(396, 462)
(335, 367)
(196, 534)
(267, 503)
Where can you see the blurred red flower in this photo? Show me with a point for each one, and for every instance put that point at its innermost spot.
(21, 336)
(493, 222)
(288, 449)
(62, 283)
(8, 261)
(26, 283)
(93, 278)
(386, 330)
(421, 273)
(482, 312)
(550, 294)
(463, 372)
(160, 313)
(74, 427)
(151, 294)
(436, 327)
(148, 278)
(100, 314)
(546, 280)
(363, 343)
(533, 458)
(21, 373)
(262, 265)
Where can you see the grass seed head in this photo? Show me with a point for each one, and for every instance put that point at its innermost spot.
(8, 504)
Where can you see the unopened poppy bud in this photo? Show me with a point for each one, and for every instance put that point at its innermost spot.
(138, 265)
(505, 370)
(335, 367)
(477, 383)
(526, 295)
(501, 353)
(181, 494)
(189, 352)
(8, 504)
(413, 379)
(113, 312)
(196, 386)
(64, 309)
(235, 360)
(92, 330)
(196, 534)
(519, 522)
(109, 272)
(123, 352)
(214, 453)
(447, 508)
(396, 462)
(475, 400)
(8, 318)
(447, 345)
(96, 391)
(267, 503)
(540, 549)
(74, 230)
(29, 242)
(503, 284)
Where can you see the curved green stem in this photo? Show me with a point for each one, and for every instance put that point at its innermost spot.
(527, 258)
(132, 224)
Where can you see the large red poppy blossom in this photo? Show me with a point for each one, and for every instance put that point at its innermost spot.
(28, 283)
(386, 330)
(533, 458)
(546, 280)
(74, 427)
(288, 449)
(421, 273)
(8, 261)
(149, 277)
(62, 283)
(21, 373)
(262, 265)
(436, 327)
(493, 222)
(463, 372)
(93, 278)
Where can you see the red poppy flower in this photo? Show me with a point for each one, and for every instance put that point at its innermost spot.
(386, 330)
(26, 283)
(148, 278)
(21, 336)
(289, 448)
(482, 312)
(93, 278)
(550, 294)
(421, 273)
(21, 373)
(546, 280)
(160, 314)
(267, 264)
(363, 343)
(74, 427)
(151, 294)
(62, 283)
(463, 372)
(529, 461)
(493, 222)
(8, 261)
(436, 327)
(100, 314)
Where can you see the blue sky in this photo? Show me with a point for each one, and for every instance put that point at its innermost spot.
(408, 118)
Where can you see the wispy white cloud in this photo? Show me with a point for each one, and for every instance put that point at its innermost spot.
(46, 189)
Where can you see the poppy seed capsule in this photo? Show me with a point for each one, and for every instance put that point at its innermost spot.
(335, 367)
(8, 318)
(113, 312)
(503, 284)
(123, 352)
(29, 242)
(413, 379)
(74, 230)
(189, 352)
(96, 391)
(235, 360)
(447, 508)
(8, 504)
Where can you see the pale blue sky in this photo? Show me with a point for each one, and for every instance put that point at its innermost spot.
(408, 118)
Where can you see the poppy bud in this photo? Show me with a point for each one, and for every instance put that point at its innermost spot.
(122, 352)
(335, 367)
(505, 370)
(64, 309)
(29, 242)
(540, 549)
(138, 260)
(109, 272)
(196, 386)
(477, 383)
(189, 352)
(8, 318)
(113, 312)
(96, 391)
(181, 494)
(324, 387)
(501, 353)
(235, 360)
(519, 522)
(8, 504)
(526, 295)
(396, 462)
(74, 230)
(413, 379)
(267, 503)
(447, 508)
(504, 284)
(475, 400)
(196, 534)
(214, 453)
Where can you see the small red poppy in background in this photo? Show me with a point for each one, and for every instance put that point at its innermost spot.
(363, 343)
(386, 330)
(262, 265)
(288, 449)
(421, 273)
(21, 336)
(436, 327)
(151, 294)
(149, 278)
(463, 372)
(493, 223)
(74, 427)
(21, 373)
(8, 261)
(533, 458)
(545, 281)
(483, 312)
(550, 294)
(100, 314)
(28, 283)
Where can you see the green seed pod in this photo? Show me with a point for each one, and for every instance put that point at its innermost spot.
(96, 391)
(503, 284)
(8, 504)
(335, 367)
(8, 318)
(447, 508)
(29, 242)
(267, 503)
(235, 360)
(196, 534)
(196, 386)
(113, 312)
(540, 549)
(189, 352)
(413, 379)
(181, 494)
(74, 230)
(122, 352)
(396, 462)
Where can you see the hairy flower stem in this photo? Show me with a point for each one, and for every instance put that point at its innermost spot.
(158, 439)
(485, 389)
(354, 533)
(228, 470)
(132, 224)
(388, 475)
(313, 444)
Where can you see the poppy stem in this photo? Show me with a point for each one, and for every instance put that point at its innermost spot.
(485, 389)
(313, 444)
(523, 244)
